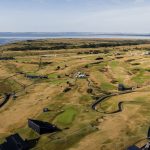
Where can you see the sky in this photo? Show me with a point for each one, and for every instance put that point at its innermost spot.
(125, 16)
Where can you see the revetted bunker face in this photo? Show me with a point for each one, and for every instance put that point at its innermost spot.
(133, 148)
(14, 142)
(36, 77)
(42, 127)
(121, 87)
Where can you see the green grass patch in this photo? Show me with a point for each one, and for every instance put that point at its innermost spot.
(85, 98)
(67, 116)
(140, 77)
(53, 76)
(114, 64)
(56, 81)
(27, 133)
(107, 86)
(147, 69)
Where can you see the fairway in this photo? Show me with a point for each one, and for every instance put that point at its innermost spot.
(67, 116)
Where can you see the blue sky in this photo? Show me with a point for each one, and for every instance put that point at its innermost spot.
(75, 16)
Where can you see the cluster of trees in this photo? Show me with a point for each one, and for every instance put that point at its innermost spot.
(57, 46)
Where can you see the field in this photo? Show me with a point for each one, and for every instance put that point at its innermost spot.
(104, 64)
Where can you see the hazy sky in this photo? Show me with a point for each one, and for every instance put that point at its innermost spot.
(75, 15)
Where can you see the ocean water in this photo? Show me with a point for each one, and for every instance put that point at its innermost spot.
(6, 40)
(7, 37)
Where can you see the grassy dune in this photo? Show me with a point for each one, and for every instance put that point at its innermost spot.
(122, 61)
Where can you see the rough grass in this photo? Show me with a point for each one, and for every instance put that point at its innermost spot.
(9, 86)
(71, 111)
(84, 99)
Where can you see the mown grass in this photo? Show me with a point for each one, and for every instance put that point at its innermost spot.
(106, 86)
(67, 117)
(114, 64)
(53, 76)
(140, 77)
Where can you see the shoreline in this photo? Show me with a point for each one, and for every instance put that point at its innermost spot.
(9, 40)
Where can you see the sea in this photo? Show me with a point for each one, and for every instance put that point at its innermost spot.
(9, 37)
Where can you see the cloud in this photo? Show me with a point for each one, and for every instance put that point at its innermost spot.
(75, 15)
